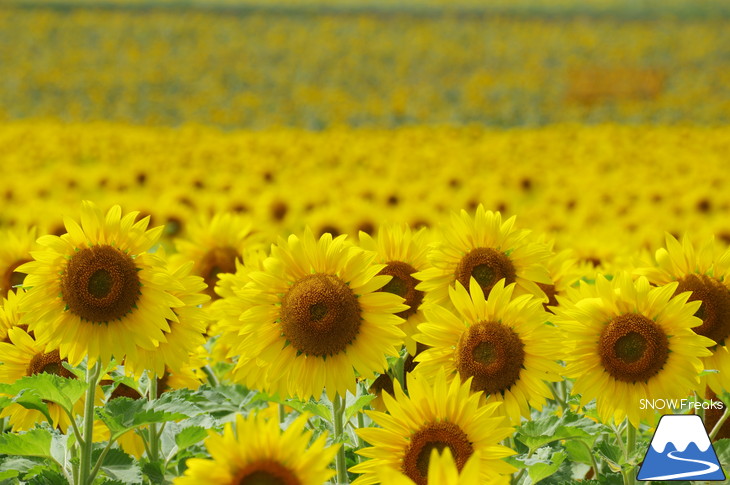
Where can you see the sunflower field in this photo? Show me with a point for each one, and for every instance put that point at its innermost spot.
(309, 242)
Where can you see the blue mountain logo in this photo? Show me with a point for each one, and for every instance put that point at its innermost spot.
(681, 450)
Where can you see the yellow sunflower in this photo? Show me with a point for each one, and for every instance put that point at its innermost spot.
(403, 252)
(257, 451)
(501, 343)
(23, 356)
(10, 314)
(705, 272)
(443, 415)
(96, 290)
(631, 342)
(442, 470)
(185, 335)
(215, 245)
(487, 249)
(15, 248)
(315, 315)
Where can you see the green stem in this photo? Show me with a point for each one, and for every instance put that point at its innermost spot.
(100, 460)
(558, 399)
(630, 446)
(92, 378)
(339, 412)
(720, 422)
(282, 413)
(360, 441)
(594, 466)
(210, 375)
(154, 437)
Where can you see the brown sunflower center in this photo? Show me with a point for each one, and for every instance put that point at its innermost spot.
(491, 353)
(12, 278)
(266, 472)
(633, 348)
(435, 436)
(487, 266)
(50, 363)
(550, 292)
(216, 261)
(100, 284)
(715, 308)
(403, 285)
(320, 315)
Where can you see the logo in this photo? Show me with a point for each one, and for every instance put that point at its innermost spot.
(681, 450)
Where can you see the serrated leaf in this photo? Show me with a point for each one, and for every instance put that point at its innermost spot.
(722, 449)
(540, 471)
(611, 455)
(358, 405)
(48, 387)
(118, 465)
(48, 477)
(189, 436)
(154, 472)
(123, 414)
(578, 452)
(539, 432)
(36, 442)
(13, 466)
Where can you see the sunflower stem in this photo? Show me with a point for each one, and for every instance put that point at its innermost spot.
(558, 399)
(360, 441)
(339, 414)
(630, 446)
(154, 437)
(282, 413)
(720, 422)
(100, 460)
(210, 375)
(92, 378)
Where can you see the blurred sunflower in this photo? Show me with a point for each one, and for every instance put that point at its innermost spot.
(15, 248)
(403, 252)
(488, 250)
(502, 344)
(96, 291)
(706, 274)
(442, 470)
(10, 314)
(215, 245)
(259, 452)
(23, 356)
(631, 342)
(315, 314)
(445, 415)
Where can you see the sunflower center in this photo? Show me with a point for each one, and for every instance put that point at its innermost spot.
(50, 363)
(403, 285)
(487, 266)
(491, 353)
(715, 308)
(320, 315)
(437, 436)
(550, 292)
(12, 278)
(266, 472)
(633, 348)
(100, 284)
(216, 261)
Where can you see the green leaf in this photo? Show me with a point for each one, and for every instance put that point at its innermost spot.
(48, 476)
(358, 405)
(578, 452)
(312, 407)
(13, 466)
(538, 433)
(118, 465)
(722, 449)
(36, 442)
(48, 387)
(540, 471)
(190, 436)
(611, 455)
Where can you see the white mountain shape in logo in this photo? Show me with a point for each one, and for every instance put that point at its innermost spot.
(680, 431)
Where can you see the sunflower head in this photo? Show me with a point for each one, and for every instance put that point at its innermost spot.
(488, 250)
(443, 470)
(15, 248)
(97, 290)
(258, 452)
(432, 419)
(629, 341)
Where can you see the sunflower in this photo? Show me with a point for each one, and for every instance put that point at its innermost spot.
(705, 272)
(403, 252)
(315, 314)
(258, 452)
(10, 314)
(488, 250)
(631, 342)
(15, 248)
(443, 415)
(442, 470)
(96, 290)
(23, 356)
(502, 344)
(185, 335)
(215, 245)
